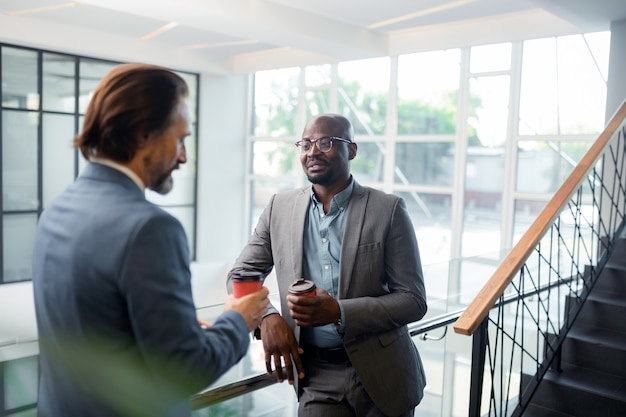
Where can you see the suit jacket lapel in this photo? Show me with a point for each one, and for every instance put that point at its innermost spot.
(300, 209)
(352, 237)
(296, 238)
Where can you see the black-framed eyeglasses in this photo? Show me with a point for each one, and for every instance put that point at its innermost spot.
(323, 144)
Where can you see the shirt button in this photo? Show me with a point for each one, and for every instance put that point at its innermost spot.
(326, 267)
(324, 240)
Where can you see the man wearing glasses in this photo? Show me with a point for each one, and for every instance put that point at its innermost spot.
(348, 345)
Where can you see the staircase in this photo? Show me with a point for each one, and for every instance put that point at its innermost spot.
(592, 378)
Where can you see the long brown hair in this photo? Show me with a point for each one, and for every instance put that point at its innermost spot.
(131, 101)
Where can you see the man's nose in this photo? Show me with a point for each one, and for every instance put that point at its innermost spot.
(182, 155)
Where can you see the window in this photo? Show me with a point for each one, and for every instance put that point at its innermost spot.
(442, 130)
(44, 97)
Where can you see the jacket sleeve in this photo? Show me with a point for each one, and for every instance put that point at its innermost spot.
(257, 253)
(156, 282)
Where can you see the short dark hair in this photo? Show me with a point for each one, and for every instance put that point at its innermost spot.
(131, 100)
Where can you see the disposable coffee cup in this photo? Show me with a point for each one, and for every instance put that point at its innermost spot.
(246, 282)
(303, 287)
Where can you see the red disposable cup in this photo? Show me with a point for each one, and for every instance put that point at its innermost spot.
(303, 287)
(246, 282)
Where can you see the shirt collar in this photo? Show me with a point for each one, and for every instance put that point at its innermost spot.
(342, 198)
(123, 169)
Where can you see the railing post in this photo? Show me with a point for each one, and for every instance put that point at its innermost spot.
(479, 349)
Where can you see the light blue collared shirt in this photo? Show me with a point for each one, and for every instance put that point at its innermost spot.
(323, 234)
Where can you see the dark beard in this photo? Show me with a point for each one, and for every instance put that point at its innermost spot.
(164, 186)
(324, 179)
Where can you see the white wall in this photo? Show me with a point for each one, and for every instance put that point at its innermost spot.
(616, 91)
(221, 162)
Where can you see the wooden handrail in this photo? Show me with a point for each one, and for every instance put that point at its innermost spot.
(476, 312)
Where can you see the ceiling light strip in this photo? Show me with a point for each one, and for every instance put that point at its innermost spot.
(160, 30)
(43, 9)
(220, 44)
(421, 13)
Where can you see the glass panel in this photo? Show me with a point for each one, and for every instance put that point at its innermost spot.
(369, 164)
(490, 58)
(538, 95)
(20, 382)
(273, 400)
(526, 212)
(427, 92)
(19, 78)
(318, 75)
(59, 83)
(489, 122)
(475, 272)
(82, 162)
(441, 360)
(18, 240)
(582, 86)
(430, 163)
(182, 193)
(566, 95)
(542, 166)
(484, 170)
(58, 154)
(275, 158)
(363, 90)
(275, 102)
(318, 80)
(19, 160)
(317, 102)
(261, 190)
(192, 84)
(91, 72)
(431, 216)
(437, 280)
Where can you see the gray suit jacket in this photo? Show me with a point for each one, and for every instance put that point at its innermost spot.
(117, 324)
(380, 285)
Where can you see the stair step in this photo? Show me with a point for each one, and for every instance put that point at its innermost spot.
(617, 258)
(534, 410)
(604, 310)
(582, 392)
(595, 348)
(612, 279)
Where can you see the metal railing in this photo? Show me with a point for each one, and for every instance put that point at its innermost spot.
(522, 315)
(258, 381)
(524, 312)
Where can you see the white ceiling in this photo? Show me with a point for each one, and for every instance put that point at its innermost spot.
(235, 36)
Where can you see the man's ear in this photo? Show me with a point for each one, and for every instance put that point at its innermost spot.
(352, 148)
(142, 139)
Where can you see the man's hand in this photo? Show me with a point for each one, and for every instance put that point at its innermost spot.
(280, 342)
(203, 324)
(314, 311)
(251, 306)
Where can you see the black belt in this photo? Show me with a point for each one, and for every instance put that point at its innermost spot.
(333, 355)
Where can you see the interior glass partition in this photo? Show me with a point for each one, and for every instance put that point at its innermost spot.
(44, 97)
